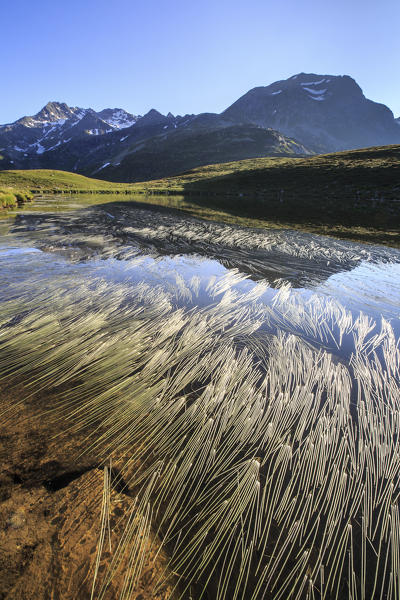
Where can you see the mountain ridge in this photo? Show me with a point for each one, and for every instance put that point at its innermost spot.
(309, 114)
(328, 113)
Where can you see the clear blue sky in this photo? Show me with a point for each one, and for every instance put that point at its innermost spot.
(188, 56)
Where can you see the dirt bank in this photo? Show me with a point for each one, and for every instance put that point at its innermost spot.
(50, 508)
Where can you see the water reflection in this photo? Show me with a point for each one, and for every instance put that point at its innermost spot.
(125, 241)
(126, 230)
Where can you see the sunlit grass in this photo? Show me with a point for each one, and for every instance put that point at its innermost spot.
(53, 181)
(10, 197)
(7, 199)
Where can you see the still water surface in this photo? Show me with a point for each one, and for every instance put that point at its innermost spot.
(125, 242)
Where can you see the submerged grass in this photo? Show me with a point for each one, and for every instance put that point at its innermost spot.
(264, 458)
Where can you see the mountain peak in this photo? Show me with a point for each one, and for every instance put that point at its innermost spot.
(54, 105)
(153, 117)
(344, 84)
(327, 113)
(54, 111)
(118, 118)
(153, 112)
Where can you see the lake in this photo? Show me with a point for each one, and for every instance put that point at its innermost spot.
(247, 381)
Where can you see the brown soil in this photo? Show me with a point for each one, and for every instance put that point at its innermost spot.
(50, 507)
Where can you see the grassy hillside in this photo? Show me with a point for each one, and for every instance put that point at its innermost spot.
(353, 188)
(55, 182)
(367, 171)
(354, 194)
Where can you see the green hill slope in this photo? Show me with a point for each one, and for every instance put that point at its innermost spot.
(54, 182)
(353, 194)
(358, 187)
(368, 169)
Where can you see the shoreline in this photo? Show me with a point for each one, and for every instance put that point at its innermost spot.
(185, 204)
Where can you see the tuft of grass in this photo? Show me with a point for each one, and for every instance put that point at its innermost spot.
(10, 198)
(23, 196)
(7, 199)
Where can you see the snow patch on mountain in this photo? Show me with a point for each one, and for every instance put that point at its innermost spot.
(118, 118)
(316, 92)
(55, 146)
(313, 82)
(102, 167)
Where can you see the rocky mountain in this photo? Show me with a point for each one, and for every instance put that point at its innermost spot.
(55, 125)
(114, 144)
(325, 112)
(117, 118)
(302, 115)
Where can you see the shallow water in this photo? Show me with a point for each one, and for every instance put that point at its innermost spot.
(124, 243)
(237, 355)
(107, 239)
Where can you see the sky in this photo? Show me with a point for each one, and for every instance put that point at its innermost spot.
(188, 56)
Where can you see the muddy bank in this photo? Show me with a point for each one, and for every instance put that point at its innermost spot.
(50, 509)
